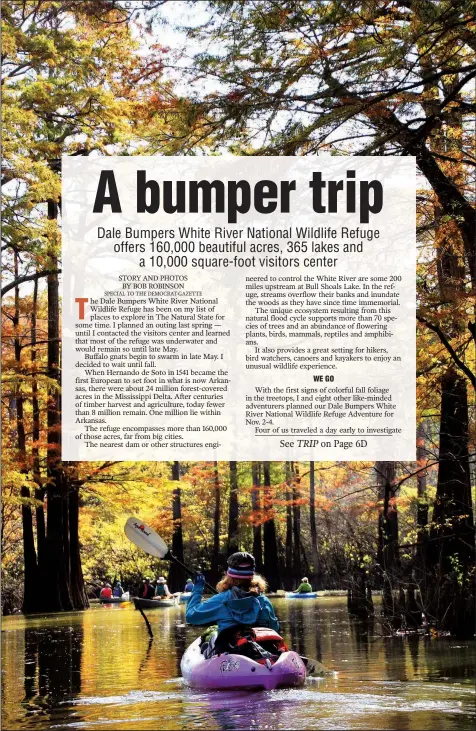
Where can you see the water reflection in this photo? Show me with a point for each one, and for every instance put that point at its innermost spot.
(147, 654)
(362, 632)
(297, 628)
(179, 641)
(52, 670)
(98, 669)
(394, 652)
(413, 643)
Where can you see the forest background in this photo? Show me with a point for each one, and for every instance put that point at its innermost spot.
(377, 77)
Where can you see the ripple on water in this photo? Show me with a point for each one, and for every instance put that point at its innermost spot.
(139, 696)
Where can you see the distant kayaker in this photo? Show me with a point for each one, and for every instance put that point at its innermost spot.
(161, 589)
(304, 587)
(189, 586)
(118, 590)
(106, 591)
(240, 600)
(147, 590)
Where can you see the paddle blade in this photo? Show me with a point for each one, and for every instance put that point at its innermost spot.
(145, 538)
(316, 668)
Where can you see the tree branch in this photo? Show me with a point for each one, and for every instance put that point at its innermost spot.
(28, 278)
(462, 366)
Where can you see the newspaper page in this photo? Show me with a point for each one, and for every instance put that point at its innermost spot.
(213, 311)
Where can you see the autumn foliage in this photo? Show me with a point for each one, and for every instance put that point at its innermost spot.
(289, 78)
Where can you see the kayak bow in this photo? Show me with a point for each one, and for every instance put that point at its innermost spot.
(140, 603)
(115, 599)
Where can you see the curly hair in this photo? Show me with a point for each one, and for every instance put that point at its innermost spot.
(255, 584)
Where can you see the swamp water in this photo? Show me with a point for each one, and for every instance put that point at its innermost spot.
(98, 670)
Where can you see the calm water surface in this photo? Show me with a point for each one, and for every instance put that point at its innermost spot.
(98, 670)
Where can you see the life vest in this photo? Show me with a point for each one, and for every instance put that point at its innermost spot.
(262, 636)
(160, 590)
(259, 643)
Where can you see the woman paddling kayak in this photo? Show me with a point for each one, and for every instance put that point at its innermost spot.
(247, 652)
(239, 601)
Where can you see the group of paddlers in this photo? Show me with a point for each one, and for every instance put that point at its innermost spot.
(159, 589)
(247, 581)
(107, 592)
(149, 589)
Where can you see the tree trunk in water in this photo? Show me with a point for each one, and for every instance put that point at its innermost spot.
(80, 599)
(450, 553)
(256, 508)
(281, 561)
(449, 591)
(387, 552)
(312, 520)
(35, 452)
(30, 584)
(233, 542)
(54, 573)
(359, 594)
(216, 526)
(66, 536)
(176, 579)
(271, 562)
(288, 576)
(422, 510)
(55, 568)
(297, 570)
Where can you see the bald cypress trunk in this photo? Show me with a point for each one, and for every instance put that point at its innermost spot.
(35, 452)
(449, 555)
(176, 578)
(387, 553)
(55, 568)
(256, 508)
(297, 567)
(289, 530)
(271, 561)
(30, 583)
(422, 509)
(313, 526)
(450, 551)
(78, 591)
(233, 538)
(216, 524)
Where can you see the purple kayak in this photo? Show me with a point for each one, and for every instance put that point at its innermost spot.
(230, 671)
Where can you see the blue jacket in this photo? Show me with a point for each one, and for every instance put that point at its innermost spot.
(229, 609)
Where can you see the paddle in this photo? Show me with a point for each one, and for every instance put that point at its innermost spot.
(316, 668)
(149, 541)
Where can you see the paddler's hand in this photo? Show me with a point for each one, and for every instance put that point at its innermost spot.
(199, 583)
